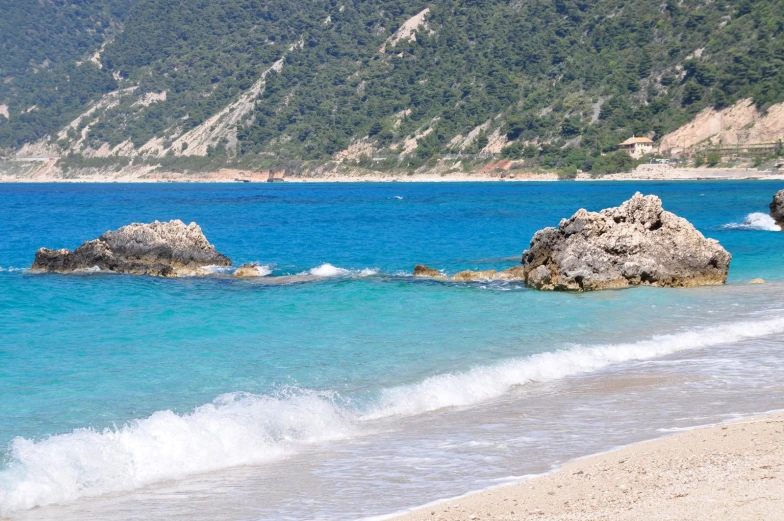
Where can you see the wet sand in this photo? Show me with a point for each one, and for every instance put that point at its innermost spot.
(732, 471)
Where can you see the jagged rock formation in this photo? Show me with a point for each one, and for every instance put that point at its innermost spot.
(163, 249)
(637, 243)
(777, 208)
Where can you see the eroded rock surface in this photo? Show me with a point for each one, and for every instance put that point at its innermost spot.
(164, 249)
(637, 243)
(777, 208)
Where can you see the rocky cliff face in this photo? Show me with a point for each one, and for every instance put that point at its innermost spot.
(777, 208)
(637, 243)
(164, 249)
(739, 124)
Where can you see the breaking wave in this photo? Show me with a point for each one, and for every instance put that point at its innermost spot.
(484, 383)
(236, 429)
(328, 270)
(756, 221)
(246, 429)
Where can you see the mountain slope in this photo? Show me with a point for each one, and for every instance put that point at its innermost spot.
(556, 81)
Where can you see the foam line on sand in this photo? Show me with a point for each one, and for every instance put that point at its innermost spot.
(728, 471)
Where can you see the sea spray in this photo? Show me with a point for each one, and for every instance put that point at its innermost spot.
(327, 270)
(756, 221)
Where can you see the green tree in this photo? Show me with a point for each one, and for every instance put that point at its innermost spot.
(692, 93)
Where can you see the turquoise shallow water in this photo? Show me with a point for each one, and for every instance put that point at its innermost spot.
(109, 384)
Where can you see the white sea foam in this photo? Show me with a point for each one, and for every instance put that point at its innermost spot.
(263, 270)
(217, 269)
(488, 382)
(236, 429)
(245, 429)
(327, 270)
(756, 221)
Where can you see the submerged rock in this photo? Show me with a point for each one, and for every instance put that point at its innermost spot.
(637, 243)
(514, 273)
(161, 249)
(468, 275)
(757, 281)
(777, 208)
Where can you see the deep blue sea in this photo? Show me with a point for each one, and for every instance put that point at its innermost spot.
(365, 391)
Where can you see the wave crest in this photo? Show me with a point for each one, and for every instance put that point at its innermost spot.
(488, 382)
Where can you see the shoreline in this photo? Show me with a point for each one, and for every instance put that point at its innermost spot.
(729, 470)
(367, 181)
(642, 173)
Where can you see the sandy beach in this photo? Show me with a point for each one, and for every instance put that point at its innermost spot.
(49, 172)
(731, 471)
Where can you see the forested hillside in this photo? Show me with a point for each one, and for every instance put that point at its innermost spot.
(556, 81)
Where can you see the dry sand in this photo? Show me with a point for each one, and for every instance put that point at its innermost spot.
(235, 175)
(48, 171)
(732, 471)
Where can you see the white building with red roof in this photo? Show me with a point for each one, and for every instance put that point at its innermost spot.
(637, 146)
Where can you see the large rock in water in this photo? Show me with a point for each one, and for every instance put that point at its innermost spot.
(777, 208)
(162, 249)
(637, 243)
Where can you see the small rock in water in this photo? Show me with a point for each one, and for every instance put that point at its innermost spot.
(757, 281)
(420, 270)
(248, 271)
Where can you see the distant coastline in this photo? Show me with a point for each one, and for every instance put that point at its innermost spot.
(642, 173)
